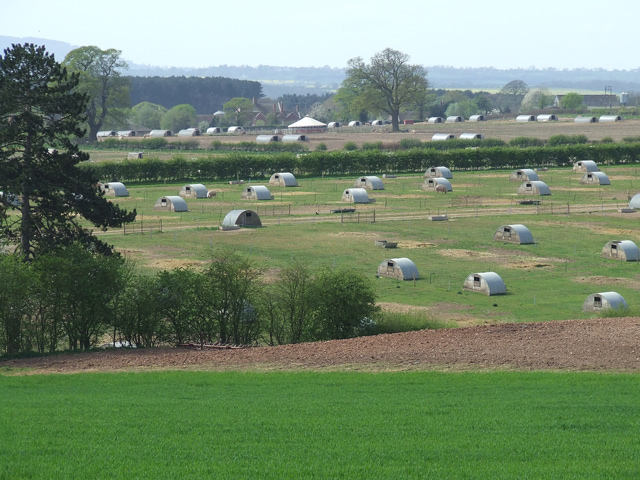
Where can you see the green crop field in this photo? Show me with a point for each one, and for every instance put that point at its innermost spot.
(319, 425)
(546, 280)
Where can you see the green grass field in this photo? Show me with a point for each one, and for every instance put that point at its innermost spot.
(319, 425)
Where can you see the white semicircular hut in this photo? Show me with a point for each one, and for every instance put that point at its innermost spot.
(355, 195)
(431, 184)
(523, 174)
(515, 233)
(595, 178)
(256, 192)
(489, 283)
(283, 179)
(604, 300)
(623, 250)
(170, 203)
(369, 182)
(401, 268)
(433, 172)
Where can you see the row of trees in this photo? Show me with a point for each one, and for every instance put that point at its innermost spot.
(76, 299)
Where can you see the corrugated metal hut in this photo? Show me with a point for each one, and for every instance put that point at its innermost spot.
(547, 117)
(438, 172)
(585, 166)
(369, 182)
(194, 190)
(523, 174)
(438, 137)
(354, 123)
(585, 120)
(256, 192)
(635, 201)
(236, 130)
(401, 268)
(610, 118)
(477, 118)
(161, 133)
(430, 184)
(294, 137)
(355, 195)
(623, 250)
(434, 120)
(171, 203)
(213, 130)
(189, 132)
(454, 119)
(595, 178)
(334, 125)
(114, 189)
(535, 187)
(604, 300)
(377, 123)
(489, 283)
(471, 136)
(134, 155)
(242, 218)
(283, 179)
(106, 133)
(516, 233)
(525, 118)
(127, 133)
(267, 138)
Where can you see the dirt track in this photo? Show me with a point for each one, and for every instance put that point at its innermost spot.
(611, 344)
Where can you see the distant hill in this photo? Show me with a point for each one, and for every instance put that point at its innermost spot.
(277, 80)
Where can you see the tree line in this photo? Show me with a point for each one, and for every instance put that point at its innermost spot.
(74, 299)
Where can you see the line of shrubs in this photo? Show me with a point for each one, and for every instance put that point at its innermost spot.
(76, 300)
(320, 163)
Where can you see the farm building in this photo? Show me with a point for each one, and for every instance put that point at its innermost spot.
(189, 132)
(134, 155)
(400, 268)
(535, 187)
(432, 184)
(595, 178)
(355, 195)
(486, 282)
(433, 120)
(525, 118)
(516, 233)
(213, 130)
(523, 174)
(454, 119)
(477, 118)
(294, 137)
(161, 133)
(585, 120)
(547, 117)
(585, 166)
(106, 133)
(241, 218)
(604, 300)
(623, 250)
(171, 203)
(369, 183)
(307, 125)
(267, 138)
(635, 201)
(471, 136)
(194, 190)
(377, 123)
(438, 137)
(354, 123)
(235, 130)
(610, 118)
(438, 172)
(256, 192)
(127, 133)
(283, 179)
(114, 189)
(334, 125)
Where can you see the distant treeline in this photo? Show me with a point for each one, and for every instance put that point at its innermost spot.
(416, 160)
(206, 95)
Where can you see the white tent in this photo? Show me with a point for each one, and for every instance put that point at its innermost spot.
(307, 122)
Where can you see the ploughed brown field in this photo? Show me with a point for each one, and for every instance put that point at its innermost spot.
(608, 344)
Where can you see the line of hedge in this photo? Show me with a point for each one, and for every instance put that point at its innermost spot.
(244, 165)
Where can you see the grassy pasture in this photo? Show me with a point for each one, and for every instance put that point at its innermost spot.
(545, 281)
(319, 425)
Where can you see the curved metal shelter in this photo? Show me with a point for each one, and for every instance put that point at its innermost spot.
(283, 179)
(401, 268)
(235, 130)
(585, 120)
(213, 130)
(523, 174)
(369, 182)
(535, 187)
(434, 120)
(438, 137)
(525, 118)
(189, 132)
(547, 117)
(334, 125)
(433, 172)
(242, 218)
(471, 136)
(294, 137)
(584, 166)
(515, 233)
(256, 192)
(171, 203)
(489, 283)
(595, 178)
(432, 184)
(267, 138)
(114, 189)
(610, 118)
(161, 133)
(355, 195)
(354, 123)
(194, 190)
(454, 119)
(635, 201)
(623, 250)
(604, 300)
(477, 118)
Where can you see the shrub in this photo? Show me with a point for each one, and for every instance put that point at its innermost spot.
(390, 322)
(409, 143)
(350, 146)
(628, 139)
(557, 140)
(526, 142)
(372, 146)
(321, 147)
(607, 140)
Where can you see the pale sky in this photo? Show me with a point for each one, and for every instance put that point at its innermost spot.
(459, 33)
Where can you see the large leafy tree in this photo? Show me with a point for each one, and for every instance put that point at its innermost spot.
(239, 110)
(388, 84)
(148, 114)
(179, 117)
(572, 101)
(46, 192)
(101, 80)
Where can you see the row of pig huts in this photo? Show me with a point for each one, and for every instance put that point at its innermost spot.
(550, 117)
